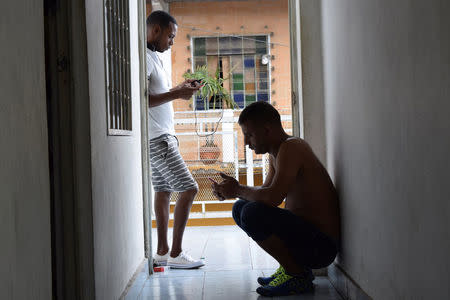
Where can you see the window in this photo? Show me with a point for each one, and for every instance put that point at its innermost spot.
(246, 57)
(117, 67)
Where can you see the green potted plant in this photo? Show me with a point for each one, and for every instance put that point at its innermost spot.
(213, 95)
(212, 92)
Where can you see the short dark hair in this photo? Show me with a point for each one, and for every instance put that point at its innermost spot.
(161, 18)
(260, 112)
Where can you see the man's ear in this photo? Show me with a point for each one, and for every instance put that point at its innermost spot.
(156, 29)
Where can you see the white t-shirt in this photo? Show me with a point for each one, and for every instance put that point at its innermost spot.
(161, 116)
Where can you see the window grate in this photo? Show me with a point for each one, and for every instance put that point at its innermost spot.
(117, 66)
(250, 77)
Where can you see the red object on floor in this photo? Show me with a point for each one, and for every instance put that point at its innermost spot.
(158, 269)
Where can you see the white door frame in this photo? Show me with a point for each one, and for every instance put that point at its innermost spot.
(296, 71)
(308, 103)
(146, 183)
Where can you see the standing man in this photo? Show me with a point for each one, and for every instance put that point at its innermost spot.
(303, 235)
(169, 171)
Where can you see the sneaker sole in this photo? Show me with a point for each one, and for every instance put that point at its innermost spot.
(264, 292)
(268, 293)
(160, 263)
(179, 266)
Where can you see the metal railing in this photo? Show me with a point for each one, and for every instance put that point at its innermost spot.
(207, 153)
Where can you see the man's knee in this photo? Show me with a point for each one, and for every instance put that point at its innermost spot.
(251, 217)
(163, 196)
(194, 191)
(191, 192)
(188, 195)
(236, 211)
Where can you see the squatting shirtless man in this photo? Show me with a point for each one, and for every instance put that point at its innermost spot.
(304, 234)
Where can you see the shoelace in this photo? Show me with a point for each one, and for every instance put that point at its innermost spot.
(278, 271)
(280, 279)
(186, 256)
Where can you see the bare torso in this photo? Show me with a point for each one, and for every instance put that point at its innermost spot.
(313, 196)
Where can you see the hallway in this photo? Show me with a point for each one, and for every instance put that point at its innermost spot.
(233, 262)
(372, 91)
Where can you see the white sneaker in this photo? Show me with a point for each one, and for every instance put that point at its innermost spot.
(161, 260)
(184, 261)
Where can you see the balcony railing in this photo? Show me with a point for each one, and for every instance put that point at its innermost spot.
(207, 153)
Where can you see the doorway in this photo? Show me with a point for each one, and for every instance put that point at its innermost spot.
(249, 47)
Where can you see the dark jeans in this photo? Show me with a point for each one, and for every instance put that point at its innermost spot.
(308, 245)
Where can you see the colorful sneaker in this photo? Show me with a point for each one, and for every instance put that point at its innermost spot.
(267, 280)
(160, 260)
(184, 261)
(285, 284)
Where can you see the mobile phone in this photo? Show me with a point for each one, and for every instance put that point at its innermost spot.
(193, 83)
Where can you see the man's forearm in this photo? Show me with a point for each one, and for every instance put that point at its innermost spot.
(158, 99)
(256, 194)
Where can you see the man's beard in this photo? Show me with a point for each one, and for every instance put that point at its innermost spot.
(152, 47)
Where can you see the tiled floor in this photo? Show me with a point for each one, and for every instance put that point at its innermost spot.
(233, 262)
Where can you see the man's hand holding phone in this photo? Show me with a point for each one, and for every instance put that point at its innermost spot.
(186, 89)
(227, 189)
(214, 187)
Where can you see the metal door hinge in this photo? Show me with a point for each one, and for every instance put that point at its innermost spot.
(62, 63)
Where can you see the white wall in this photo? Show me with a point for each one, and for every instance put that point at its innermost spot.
(312, 77)
(25, 251)
(387, 97)
(116, 169)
